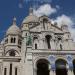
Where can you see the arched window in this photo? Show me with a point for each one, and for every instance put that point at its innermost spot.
(10, 69)
(19, 42)
(16, 71)
(13, 40)
(26, 34)
(35, 37)
(48, 38)
(6, 41)
(35, 46)
(60, 46)
(5, 71)
(59, 39)
(44, 21)
(12, 53)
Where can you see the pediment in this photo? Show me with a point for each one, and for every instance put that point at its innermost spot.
(48, 27)
(35, 29)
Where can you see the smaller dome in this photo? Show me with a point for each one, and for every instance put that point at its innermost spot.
(14, 29)
(31, 17)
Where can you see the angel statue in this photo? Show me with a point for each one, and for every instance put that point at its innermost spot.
(29, 41)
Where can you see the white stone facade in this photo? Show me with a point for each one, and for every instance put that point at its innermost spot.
(23, 51)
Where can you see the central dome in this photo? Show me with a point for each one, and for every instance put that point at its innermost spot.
(14, 29)
(31, 17)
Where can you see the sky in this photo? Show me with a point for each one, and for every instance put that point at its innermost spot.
(60, 11)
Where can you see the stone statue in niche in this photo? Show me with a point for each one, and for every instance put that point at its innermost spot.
(29, 40)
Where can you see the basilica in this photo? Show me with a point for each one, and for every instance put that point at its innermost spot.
(37, 47)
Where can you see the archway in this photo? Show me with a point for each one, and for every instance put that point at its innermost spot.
(74, 67)
(61, 67)
(42, 67)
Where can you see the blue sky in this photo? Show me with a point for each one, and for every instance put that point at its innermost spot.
(20, 8)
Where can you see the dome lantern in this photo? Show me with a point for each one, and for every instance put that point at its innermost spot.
(30, 11)
(14, 21)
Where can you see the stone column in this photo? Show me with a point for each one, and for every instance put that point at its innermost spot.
(1, 68)
(8, 70)
(35, 71)
(13, 69)
(52, 44)
(44, 43)
(41, 42)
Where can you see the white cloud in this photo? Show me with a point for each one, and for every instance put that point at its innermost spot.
(45, 9)
(72, 33)
(64, 20)
(57, 6)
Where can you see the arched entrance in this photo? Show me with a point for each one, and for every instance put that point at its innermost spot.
(74, 67)
(42, 67)
(61, 67)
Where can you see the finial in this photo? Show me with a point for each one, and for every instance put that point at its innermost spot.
(14, 21)
(30, 11)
